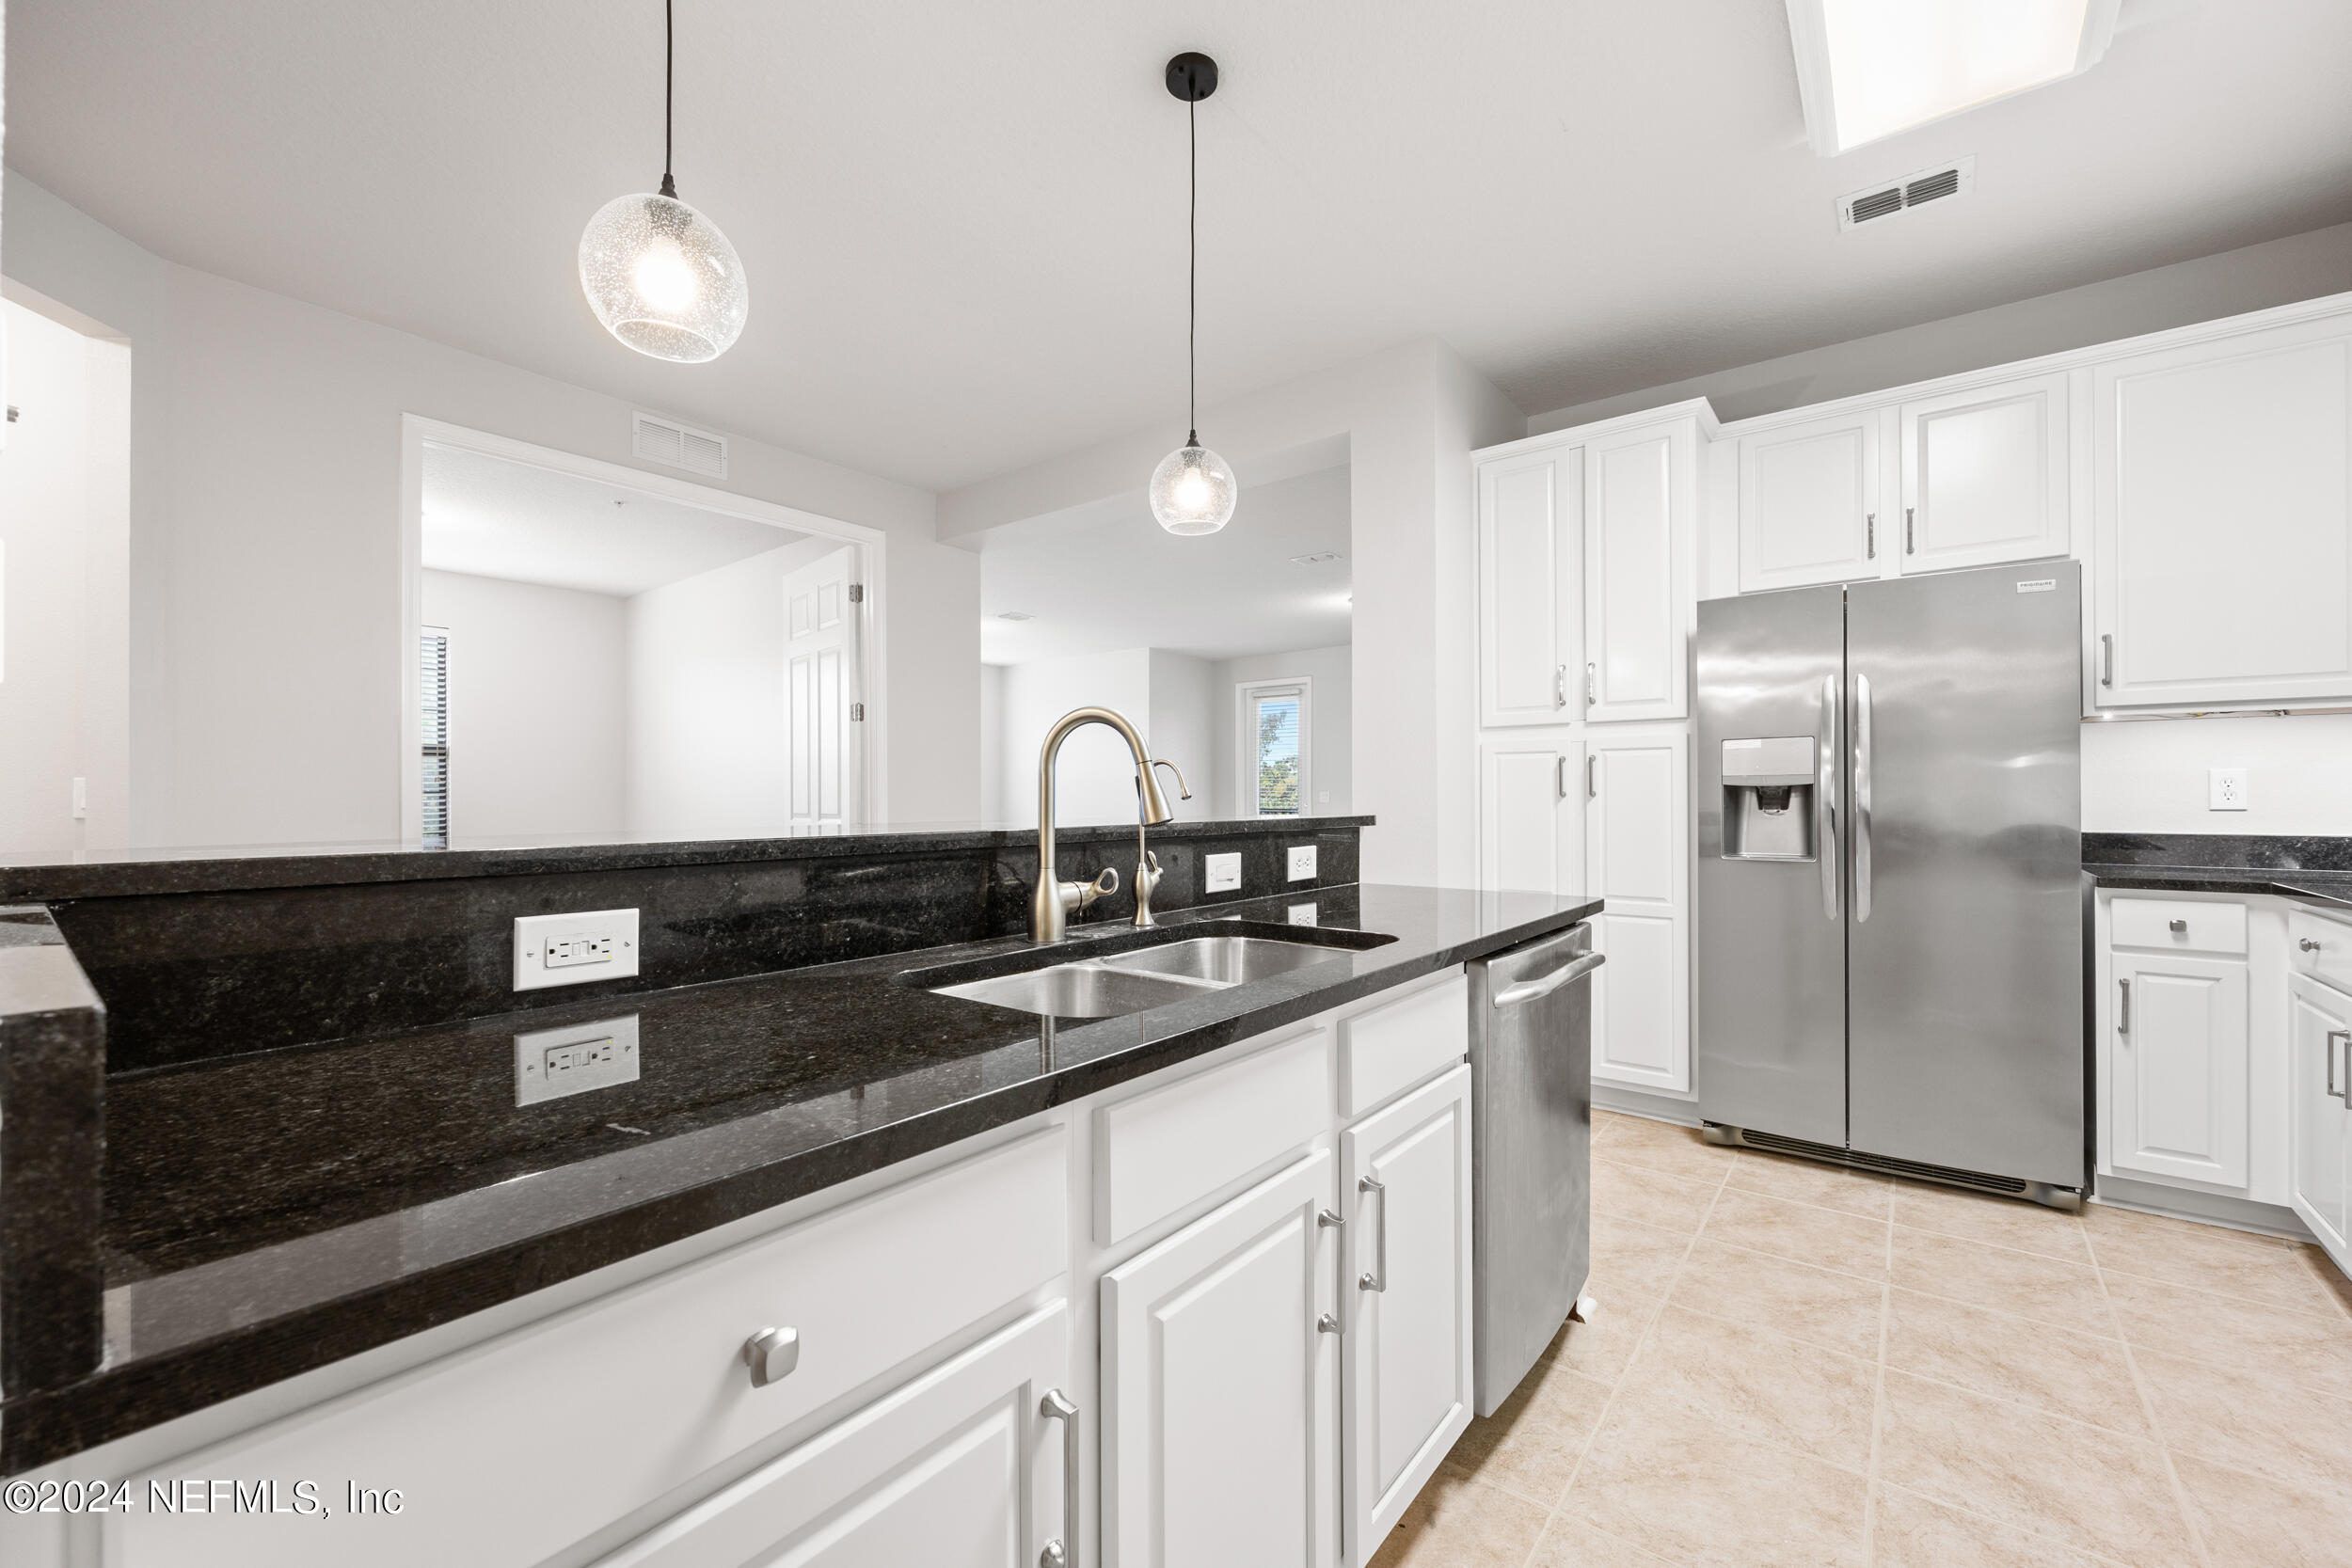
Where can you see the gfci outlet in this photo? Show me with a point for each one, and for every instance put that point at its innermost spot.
(2227, 789)
(1223, 873)
(574, 949)
(1303, 862)
(552, 1063)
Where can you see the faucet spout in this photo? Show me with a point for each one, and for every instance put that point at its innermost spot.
(1052, 901)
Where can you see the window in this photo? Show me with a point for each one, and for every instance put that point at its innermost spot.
(1274, 748)
(433, 728)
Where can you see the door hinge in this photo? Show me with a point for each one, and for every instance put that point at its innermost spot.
(857, 593)
(857, 713)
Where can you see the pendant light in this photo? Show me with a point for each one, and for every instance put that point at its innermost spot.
(1192, 489)
(659, 274)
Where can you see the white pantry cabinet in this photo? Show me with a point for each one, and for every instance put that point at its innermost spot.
(1532, 812)
(2222, 485)
(1218, 1371)
(1406, 1391)
(1531, 597)
(1641, 522)
(1637, 858)
(1984, 475)
(1809, 503)
(2179, 1067)
(2320, 1054)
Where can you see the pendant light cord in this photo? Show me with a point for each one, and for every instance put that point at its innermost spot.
(1192, 280)
(669, 91)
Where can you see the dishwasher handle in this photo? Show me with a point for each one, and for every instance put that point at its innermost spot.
(1528, 991)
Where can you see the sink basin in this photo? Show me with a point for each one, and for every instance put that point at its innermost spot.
(1075, 991)
(1224, 961)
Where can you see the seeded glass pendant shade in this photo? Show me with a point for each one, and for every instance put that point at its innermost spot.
(1192, 490)
(658, 274)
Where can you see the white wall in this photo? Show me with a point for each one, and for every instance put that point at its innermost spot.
(2149, 776)
(1183, 706)
(64, 532)
(1095, 778)
(538, 708)
(707, 750)
(264, 543)
(992, 745)
(1330, 718)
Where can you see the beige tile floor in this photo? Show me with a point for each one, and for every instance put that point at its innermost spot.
(1799, 1366)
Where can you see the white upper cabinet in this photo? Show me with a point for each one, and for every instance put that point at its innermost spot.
(2223, 512)
(1531, 600)
(1531, 813)
(1809, 503)
(1984, 476)
(1640, 516)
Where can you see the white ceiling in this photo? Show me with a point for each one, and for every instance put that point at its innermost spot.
(499, 519)
(1108, 577)
(964, 225)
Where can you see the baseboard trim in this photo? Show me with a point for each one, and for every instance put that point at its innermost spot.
(2180, 1203)
(1643, 1102)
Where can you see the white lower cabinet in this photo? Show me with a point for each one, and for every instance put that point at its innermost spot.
(961, 1468)
(1531, 813)
(1217, 1373)
(2320, 1058)
(1407, 1394)
(2179, 1067)
(1637, 860)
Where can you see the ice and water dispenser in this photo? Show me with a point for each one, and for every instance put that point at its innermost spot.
(1768, 798)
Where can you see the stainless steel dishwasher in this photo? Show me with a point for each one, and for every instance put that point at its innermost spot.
(1532, 1080)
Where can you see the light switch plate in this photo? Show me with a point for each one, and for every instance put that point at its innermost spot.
(1302, 862)
(1223, 873)
(552, 1063)
(2227, 789)
(574, 949)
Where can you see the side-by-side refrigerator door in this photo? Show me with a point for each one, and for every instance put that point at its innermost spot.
(1966, 1007)
(1769, 947)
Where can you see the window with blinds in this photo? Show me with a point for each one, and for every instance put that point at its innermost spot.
(1274, 748)
(432, 727)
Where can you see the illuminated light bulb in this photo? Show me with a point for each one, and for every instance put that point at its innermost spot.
(1192, 490)
(662, 278)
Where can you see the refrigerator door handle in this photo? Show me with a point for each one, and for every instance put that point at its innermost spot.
(1861, 798)
(1825, 827)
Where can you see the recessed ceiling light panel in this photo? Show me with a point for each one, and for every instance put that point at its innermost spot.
(1868, 69)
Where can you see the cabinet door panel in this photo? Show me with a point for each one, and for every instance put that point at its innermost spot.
(1531, 601)
(1408, 1347)
(1985, 476)
(2179, 1067)
(2224, 512)
(1637, 860)
(958, 1470)
(2322, 1127)
(1639, 511)
(1808, 501)
(1532, 837)
(1216, 1387)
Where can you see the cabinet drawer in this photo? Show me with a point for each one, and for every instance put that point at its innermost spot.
(2177, 925)
(513, 1450)
(2320, 947)
(1171, 1147)
(1388, 1049)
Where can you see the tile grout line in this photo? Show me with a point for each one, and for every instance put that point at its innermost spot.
(2148, 1409)
(1878, 1397)
(2010, 1526)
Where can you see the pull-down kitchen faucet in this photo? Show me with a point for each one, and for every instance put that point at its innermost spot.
(1052, 900)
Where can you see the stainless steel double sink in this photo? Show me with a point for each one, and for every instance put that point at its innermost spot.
(1144, 978)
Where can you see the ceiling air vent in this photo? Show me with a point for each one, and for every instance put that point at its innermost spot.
(680, 445)
(1913, 190)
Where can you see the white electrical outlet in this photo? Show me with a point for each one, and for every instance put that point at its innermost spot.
(552, 1063)
(1223, 873)
(574, 949)
(1303, 862)
(2227, 789)
(1302, 914)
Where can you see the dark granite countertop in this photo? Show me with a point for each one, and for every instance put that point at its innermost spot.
(270, 1214)
(2316, 870)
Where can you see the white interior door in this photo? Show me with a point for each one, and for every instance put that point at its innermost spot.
(1530, 604)
(1531, 813)
(2320, 1035)
(1217, 1408)
(1637, 858)
(2178, 1067)
(1408, 1391)
(824, 710)
(959, 1469)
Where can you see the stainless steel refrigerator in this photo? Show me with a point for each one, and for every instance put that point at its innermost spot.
(1888, 945)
